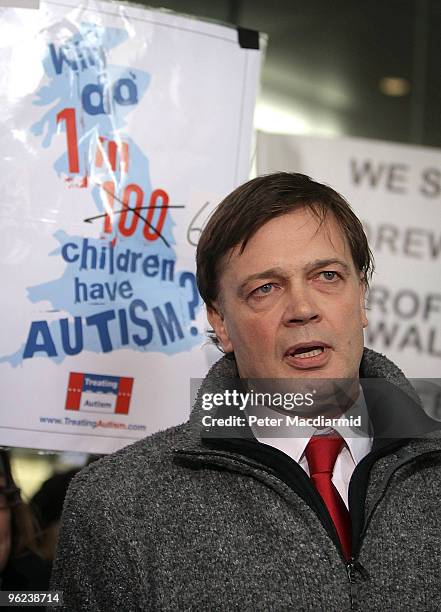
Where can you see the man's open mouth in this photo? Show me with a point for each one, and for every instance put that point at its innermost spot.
(309, 354)
(303, 353)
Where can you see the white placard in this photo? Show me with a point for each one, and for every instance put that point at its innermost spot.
(119, 125)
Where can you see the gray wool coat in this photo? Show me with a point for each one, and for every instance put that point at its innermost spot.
(175, 523)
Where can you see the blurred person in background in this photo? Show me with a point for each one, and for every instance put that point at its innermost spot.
(47, 505)
(21, 568)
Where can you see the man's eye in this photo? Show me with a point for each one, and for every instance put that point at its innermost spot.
(263, 290)
(329, 275)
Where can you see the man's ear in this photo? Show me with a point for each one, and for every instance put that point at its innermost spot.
(217, 321)
(363, 302)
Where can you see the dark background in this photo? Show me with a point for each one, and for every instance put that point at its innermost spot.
(325, 60)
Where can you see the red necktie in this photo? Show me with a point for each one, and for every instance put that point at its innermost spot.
(321, 454)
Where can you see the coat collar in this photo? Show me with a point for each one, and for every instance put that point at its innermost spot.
(394, 406)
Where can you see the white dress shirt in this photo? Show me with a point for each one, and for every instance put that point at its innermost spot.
(293, 442)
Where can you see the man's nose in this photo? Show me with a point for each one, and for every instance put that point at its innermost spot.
(301, 306)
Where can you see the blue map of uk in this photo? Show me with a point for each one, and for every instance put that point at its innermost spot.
(122, 289)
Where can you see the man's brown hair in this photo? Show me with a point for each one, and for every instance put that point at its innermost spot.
(250, 206)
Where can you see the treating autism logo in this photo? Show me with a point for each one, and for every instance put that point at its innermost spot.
(123, 289)
(99, 393)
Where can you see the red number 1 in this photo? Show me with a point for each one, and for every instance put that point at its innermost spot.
(68, 115)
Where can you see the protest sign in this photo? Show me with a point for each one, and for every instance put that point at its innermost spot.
(121, 129)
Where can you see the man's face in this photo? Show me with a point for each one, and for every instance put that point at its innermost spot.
(292, 304)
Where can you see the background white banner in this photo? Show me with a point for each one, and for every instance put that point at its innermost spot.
(120, 129)
(396, 192)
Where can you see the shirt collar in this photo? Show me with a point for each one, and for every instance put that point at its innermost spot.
(358, 443)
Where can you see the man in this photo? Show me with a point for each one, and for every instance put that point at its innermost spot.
(227, 517)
